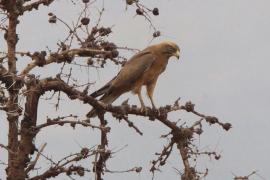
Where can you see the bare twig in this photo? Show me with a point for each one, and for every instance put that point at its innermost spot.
(33, 163)
(6, 148)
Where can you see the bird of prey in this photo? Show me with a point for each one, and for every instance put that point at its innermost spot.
(143, 69)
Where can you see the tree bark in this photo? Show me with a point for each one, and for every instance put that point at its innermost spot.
(12, 106)
(26, 146)
(14, 169)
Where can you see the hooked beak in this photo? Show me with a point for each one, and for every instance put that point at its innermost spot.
(177, 54)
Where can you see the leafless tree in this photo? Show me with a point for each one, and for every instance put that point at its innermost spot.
(85, 46)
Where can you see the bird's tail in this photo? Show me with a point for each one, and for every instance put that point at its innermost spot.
(101, 91)
(106, 99)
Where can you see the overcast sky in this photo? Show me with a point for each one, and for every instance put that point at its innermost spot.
(223, 69)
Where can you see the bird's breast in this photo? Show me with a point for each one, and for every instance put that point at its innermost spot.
(153, 72)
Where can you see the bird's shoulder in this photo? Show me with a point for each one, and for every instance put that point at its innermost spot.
(141, 57)
(134, 68)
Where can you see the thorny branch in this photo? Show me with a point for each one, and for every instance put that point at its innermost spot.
(65, 56)
(66, 164)
(61, 123)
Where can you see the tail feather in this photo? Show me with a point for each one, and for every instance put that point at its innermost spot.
(106, 99)
(101, 91)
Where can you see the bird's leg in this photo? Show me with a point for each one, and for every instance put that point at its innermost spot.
(150, 90)
(141, 101)
(152, 102)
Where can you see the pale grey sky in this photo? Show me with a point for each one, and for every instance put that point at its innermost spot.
(223, 69)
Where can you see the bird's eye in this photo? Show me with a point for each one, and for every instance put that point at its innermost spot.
(170, 49)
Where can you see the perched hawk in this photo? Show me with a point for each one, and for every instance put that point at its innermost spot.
(143, 69)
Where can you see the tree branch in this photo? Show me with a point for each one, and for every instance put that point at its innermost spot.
(35, 5)
(57, 84)
(64, 56)
(61, 123)
(60, 168)
(6, 148)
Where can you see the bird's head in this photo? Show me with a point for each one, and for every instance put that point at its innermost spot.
(170, 49)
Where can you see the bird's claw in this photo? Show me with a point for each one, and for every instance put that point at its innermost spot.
(142, 109)
(154, 109)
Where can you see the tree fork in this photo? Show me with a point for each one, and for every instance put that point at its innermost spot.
(26, 146)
